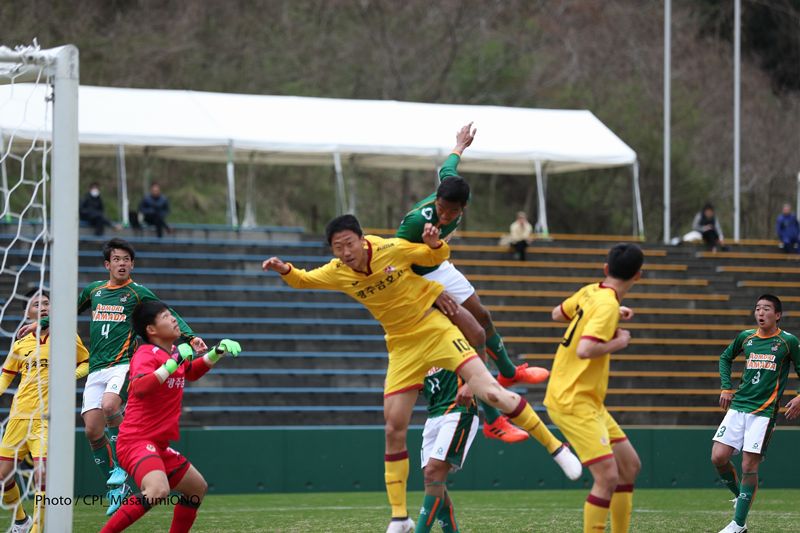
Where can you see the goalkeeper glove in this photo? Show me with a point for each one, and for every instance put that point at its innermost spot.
(224, 346)
(184, 353)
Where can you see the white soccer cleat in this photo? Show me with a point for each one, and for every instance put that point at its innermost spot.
(23, 527)
(401, 526)
(570, 464)
(733, 527)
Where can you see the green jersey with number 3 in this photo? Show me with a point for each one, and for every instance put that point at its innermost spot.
(440, 387)
(767, 361)
(113, 340)
(425, 212)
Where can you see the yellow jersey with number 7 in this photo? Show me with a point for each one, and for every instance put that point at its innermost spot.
(580, 385)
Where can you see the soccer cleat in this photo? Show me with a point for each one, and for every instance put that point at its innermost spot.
(401, 526)
(570, 464)
(118, 477)
(115, 497)
(24, 527)
(502, 429)
(525, 374)
(733, 527)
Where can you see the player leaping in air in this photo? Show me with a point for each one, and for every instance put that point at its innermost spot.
(113, 342)
(444, 210)
(159, 372)
(753, 409)
(27, 430)
(377, 272)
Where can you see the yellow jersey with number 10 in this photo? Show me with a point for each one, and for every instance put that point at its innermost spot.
(580, 385)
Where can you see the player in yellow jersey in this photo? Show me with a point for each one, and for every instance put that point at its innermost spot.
(578, 384)
(377, 272)
(26, 431)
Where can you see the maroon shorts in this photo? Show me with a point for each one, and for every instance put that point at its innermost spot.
(140, 457)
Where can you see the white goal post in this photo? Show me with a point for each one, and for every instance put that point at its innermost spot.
(57, 68)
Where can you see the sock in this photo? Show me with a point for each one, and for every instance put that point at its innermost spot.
(431, 505)
(11, 499)
(729, 478)
(525, 417)
(132, 510)
(621, 506)
(112, 430)
(747, 492)
(447, 519)
(595, 513)
(489, 411)
(38, 511)
(103, 455)
(396, 478)
(497, 351)
(183, 516)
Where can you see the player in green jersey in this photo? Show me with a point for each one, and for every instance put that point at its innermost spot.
(444, 209)
(449, 431)
(752, 410)
(113, 342)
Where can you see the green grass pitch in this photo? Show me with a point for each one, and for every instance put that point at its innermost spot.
(690, 510)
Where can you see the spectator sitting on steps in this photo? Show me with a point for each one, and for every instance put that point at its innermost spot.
(788, 230)
(707, 224)
(91, 210)
(155, 209)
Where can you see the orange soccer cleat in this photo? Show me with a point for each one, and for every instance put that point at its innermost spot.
(525, 374)
(505, 431)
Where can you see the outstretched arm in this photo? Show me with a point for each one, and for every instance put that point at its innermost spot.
(464, 139)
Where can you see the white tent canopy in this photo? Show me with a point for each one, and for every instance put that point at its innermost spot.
(289, 130)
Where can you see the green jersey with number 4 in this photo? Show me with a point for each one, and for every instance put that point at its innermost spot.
(425, 212)
(440, 387)
(113, 340)
(767, 361)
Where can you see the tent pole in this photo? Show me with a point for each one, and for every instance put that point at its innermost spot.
(797, 209)
(249, 206)
(341, 194)
(122, 187)
(638, 224)
(4, 174)
(540, 189)
(146, 171)
(233, 216)
(667, 117)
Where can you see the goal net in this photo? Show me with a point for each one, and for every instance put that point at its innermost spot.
(38, 253)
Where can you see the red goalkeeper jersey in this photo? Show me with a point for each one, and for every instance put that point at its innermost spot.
(155, 415)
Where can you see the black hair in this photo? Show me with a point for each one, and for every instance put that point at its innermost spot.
(454, 189)
(94, 184)
(708, 205)
(118, 244)
(774, 300)
(145, 315)
(624, 261)
(30, 295)
(343, 223)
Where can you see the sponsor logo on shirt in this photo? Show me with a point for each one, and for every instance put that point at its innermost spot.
(109, 313)
(758, 361)
(176, 382)
(385, 246)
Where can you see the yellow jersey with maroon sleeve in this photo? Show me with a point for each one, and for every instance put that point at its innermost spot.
(397, 297)
(580, 385)
(30, 358)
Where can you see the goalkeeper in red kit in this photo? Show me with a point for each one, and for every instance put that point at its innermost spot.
(158, 374)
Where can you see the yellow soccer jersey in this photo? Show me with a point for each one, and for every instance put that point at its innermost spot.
(578, 385)
(33, 369)
(397, 297)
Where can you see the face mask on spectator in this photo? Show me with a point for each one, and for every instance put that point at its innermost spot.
(95, 193)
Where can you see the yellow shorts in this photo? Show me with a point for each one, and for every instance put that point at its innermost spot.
(23, 436)
(591, 433)
(433, 342)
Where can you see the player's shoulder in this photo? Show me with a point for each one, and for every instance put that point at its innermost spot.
(25, 342)
(145, 350)
(788, 337)
(380, 244)
(96, 284)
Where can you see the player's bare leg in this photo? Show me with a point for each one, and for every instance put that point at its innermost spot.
(509, 372)
(435, 496)
(496, 425)
(628, 468)
(595, 510)
(485, 387)
(397, 409)
(193, 487)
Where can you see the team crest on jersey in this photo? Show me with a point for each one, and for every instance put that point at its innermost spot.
(603, 440)
(124, 298)
(775, 345)
(150, 448)
(389, 270)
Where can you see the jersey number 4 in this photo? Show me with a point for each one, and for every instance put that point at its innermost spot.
(105, 329)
